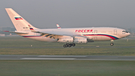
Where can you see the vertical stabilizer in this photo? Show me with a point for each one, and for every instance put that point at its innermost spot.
(19, 22)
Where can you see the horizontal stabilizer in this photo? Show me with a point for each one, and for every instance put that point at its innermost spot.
(17, 32)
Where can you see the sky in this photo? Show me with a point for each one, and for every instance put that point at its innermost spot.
(71, 13)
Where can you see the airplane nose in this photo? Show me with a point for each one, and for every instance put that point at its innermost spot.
(128, 34)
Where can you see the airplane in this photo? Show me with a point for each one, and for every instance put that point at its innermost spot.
(69, 36)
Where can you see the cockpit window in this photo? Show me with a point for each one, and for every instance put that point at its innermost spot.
(125, 31)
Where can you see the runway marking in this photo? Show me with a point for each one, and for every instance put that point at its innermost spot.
(110, 59)
(59, 56)
(67, 57)
(48, 58)
(76, 59)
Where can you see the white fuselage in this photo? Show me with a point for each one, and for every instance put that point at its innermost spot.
(94, 33)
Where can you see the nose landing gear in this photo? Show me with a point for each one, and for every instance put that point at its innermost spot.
(112, 43)
(68, 45)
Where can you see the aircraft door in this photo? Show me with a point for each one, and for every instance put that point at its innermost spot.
(95, 37)
(115, 32)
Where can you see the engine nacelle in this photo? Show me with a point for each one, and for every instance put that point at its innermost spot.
(76, 39)
(66, 39)
(80, 40)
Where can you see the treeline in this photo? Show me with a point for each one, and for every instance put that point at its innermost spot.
(6, 29)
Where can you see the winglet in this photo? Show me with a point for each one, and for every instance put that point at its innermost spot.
(58, 26)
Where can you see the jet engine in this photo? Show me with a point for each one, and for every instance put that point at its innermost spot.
(66, 39)
(80, 39)
(75, 39)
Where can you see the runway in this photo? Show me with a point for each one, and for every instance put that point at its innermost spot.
(74, 47)
(67, 57)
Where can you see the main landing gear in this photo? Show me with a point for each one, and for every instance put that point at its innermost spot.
(111, 43)
(68, 45)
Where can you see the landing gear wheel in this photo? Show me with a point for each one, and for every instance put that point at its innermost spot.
(73, 44)
(111, 44)
(69, 45)
(64, 45)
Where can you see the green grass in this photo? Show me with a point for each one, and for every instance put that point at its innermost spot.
(67, 68)
(22, 46)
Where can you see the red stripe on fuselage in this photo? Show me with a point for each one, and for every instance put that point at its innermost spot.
(114, 38)
(31, 36)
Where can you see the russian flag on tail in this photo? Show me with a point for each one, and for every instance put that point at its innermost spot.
(18, 18)
(30, 27)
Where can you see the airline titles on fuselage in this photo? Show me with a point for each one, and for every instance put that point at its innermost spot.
(84, 30)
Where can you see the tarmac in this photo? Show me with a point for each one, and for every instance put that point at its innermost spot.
(67, 57)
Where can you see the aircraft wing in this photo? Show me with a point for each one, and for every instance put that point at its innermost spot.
(53, 34)
(58, 35)
(50, 35)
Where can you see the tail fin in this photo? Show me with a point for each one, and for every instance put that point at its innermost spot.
(19, 22)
